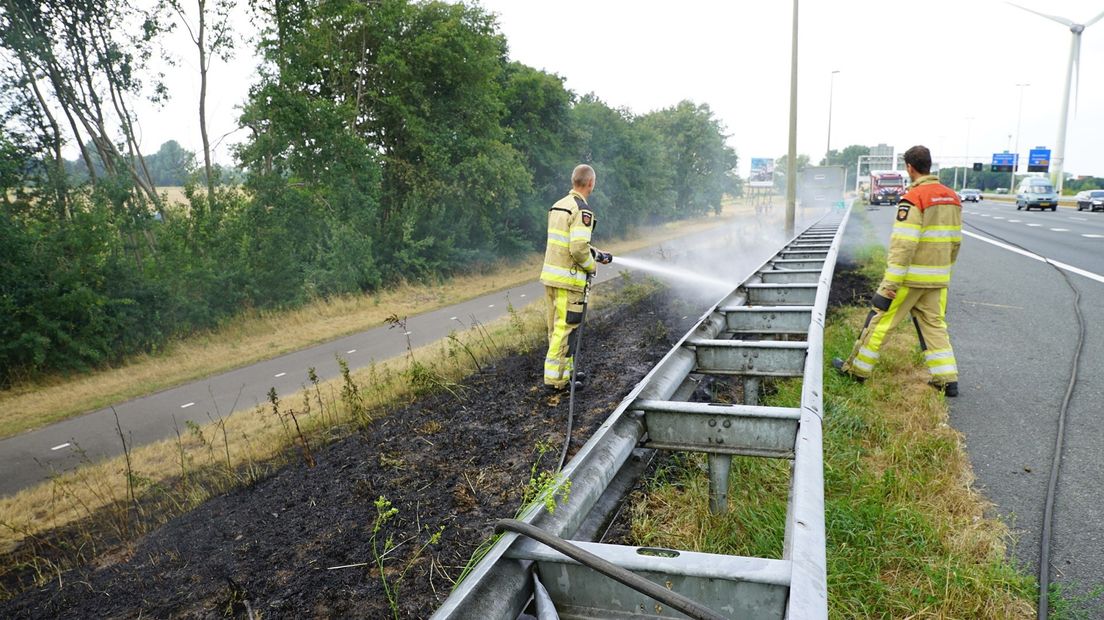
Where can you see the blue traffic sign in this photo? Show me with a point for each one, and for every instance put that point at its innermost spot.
(1005, 162)
(1038, 160)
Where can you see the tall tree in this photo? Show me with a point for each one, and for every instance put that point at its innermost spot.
(701, 163)
(212, 37)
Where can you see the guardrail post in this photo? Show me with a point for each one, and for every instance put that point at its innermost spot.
(719, 466)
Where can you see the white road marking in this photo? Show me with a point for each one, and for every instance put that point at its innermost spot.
(491, 306)
(1015, 221)
(1060, 229)
(998, 217)
(1079, 219)
(984, 214)
(523, 294)
(64, 445)
(1034, 225)
(452, 318)
(1091, 236)
(186, 405)
(279, 374)
(350, 351)
(407, 333)
(1070, 268)
(982, 303)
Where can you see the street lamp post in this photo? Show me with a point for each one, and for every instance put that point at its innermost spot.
(1016, 153)
(831, 87)
(791, 157)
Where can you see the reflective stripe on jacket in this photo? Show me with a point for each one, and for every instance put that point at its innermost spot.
(567, 258)
(926, 236)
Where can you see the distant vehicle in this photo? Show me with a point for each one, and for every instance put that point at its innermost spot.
(972, 195)
(1091, 199)
(1001, 190)
(886, 187)
(1036, 192)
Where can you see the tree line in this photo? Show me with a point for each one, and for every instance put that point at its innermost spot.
(388, 141)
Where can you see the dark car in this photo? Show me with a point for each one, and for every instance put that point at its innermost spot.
(971, 195)
(1092, 200)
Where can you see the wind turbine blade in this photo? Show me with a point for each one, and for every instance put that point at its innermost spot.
(1094, 20)
(1061, 20)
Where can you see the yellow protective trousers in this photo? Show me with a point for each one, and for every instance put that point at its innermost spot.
(564, 314)
(928, 307)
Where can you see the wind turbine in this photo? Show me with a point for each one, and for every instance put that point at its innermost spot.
(1074, 58)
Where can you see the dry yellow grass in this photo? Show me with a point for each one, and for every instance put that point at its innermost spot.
(224, 453)
(250, 338)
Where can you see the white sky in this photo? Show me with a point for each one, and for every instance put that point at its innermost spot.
(910, 72)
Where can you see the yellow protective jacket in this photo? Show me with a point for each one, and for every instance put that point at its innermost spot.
(567, 257)
(926, 237)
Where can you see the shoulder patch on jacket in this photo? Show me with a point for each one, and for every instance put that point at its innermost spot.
(903, 211)
(587, 218)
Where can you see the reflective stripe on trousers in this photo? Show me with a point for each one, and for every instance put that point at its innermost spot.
(561, 334)
(928, 307)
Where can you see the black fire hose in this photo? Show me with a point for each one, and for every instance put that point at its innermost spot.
(674, 600)
(1043, 608)
(574, 365)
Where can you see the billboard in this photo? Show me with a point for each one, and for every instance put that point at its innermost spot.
(1004, 162)
(762, 172)
(1038, 160)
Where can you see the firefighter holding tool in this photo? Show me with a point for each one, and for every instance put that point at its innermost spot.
(569, 263)
(926, 237)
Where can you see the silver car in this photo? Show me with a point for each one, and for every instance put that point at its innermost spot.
(1092, 200)
(969, 195)
(1036, 193)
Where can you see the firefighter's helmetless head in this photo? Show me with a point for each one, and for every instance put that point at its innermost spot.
(918, 161)
(583, 178)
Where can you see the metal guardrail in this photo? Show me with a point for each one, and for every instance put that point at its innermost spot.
(772, 325)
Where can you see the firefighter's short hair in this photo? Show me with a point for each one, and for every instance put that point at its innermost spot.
(919, 157)
(582, 175)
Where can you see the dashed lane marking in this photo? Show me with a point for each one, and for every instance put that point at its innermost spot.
(186, 405)
(523, 294)
(452, 318)
(407, 333)
(1060, 229)
(1070, 268)
(1015, 221)
(1092, 236)
(279, 374)
(491, 306)
(350, 351)
(1079, 219)
(59, 447)
(1034, 225)
(998, 217)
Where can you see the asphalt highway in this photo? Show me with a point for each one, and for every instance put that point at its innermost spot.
(730, 251)
(1013, 327)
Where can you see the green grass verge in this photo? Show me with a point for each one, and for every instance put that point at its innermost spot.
(907, 535)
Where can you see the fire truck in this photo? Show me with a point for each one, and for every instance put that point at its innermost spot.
(886, 187)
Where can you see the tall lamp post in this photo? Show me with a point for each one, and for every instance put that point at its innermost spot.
(1016, 153)
(791, 156)
(831, 87)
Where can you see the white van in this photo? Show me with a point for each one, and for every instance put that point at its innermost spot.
(1038, 193)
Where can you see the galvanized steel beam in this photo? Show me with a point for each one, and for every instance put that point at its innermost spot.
(782, 320)
(781, 294)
